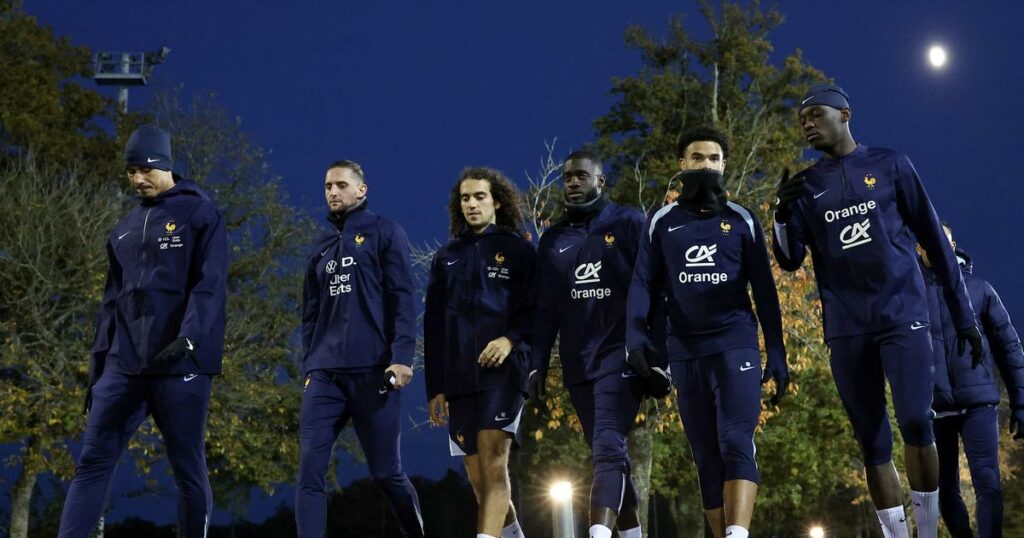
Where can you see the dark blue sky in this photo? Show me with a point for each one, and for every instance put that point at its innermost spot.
(416, 90)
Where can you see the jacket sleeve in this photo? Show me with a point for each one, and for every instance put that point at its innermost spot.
(545, 322)
(766, 297)
(790, 239)
(520, 322)
(644, 289)
(399, 297)
(434, 329)
(310, 305)
(1005, 345)
(204, 320)
(917, 211)
(105, 327)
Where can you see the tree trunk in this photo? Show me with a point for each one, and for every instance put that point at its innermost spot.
(641, 453)
(21, 497)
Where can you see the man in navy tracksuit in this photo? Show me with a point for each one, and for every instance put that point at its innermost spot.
(159, 337)
(475, 328)
(584, 266)
(859, 208)
(966, 400)
(359, 332)
(702, 252)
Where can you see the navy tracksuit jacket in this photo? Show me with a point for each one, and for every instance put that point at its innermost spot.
(583, 276)
(704, 265)
(359, 309)
(167, 279)
(958, 386)
(358, 316)
(479, 290)
(168, 267)
(860, 219)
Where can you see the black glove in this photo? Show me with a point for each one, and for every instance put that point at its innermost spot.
(637, 360)
(536, 389)
(790, 190)
(87, 404)
(1017, 423)
(387, 382)
(973, 335)
(180, 349)
(659, 383)
(780, 373)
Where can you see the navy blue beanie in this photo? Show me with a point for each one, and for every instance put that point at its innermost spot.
(149, 147)
(826, 94)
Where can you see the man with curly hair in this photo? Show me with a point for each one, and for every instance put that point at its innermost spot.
(475, 330)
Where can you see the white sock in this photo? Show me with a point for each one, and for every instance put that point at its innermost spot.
(894, 522)
(926, 512)
(512, 530)
(735, 531)
(635, 532)
(600, 531)
(482, 535)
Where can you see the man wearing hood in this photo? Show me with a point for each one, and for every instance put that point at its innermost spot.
(359, 333)
(701, 253)
(584, 266)
(159, 337)
(859, 209)
(966, 399)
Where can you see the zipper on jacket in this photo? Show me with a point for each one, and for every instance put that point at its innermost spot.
(142, 271)
(842, 171)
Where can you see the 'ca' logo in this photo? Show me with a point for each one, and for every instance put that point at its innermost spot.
(587, 273)
(701, 255)
(332, 266)
(855, 234)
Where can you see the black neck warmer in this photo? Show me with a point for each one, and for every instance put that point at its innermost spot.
(583, 213)
(703, 192)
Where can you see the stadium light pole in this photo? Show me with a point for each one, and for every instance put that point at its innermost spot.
(563, 524)
(125, 69)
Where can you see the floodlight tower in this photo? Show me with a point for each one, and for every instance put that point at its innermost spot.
(124, 69)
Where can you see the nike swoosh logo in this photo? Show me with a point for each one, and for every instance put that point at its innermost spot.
(626, 374)
(804, 102)
(820, 194)
(674, 228)
(561, 250)
(501, 419)
(120, 237)
(451, 263)
(382, 391)
(742, 369)
(149, 160)
(917, 325)
(188, 344)
(324, 253)
(190, 377)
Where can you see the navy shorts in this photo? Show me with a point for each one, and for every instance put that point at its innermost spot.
(860, 366)
(500, 408)
(719, 399)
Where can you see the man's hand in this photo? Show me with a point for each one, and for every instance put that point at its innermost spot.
(971, 334)
(790, 190)
(1017, 423)
(438, 408)
(495, 353)
(536, 389)
(659, 383)
(778, 371)
(637, 360)
(402, 376)
(180, 349)
(87, 404)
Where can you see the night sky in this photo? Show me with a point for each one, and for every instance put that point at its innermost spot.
(415, 91)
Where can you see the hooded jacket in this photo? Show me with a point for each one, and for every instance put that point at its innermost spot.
(358, 308)
(958, 386)
(479, 290)
(862, 217)
(166, 279)
(583, 276)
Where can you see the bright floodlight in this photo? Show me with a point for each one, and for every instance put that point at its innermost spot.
(937, 57)
(817, 532)
(561, 491)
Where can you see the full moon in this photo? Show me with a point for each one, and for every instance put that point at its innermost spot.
(937, 57)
